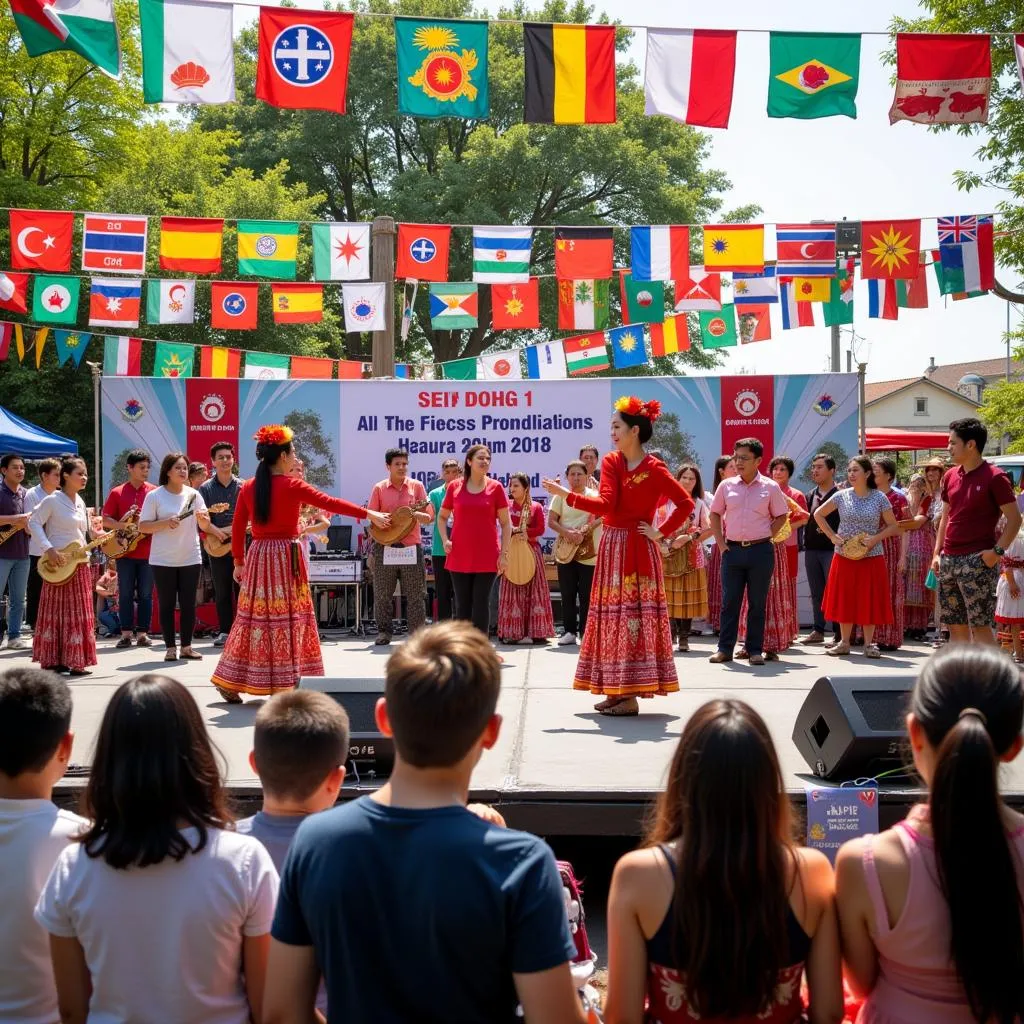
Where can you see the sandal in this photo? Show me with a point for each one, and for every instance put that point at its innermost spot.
(229, 695)
(872, 651)
(684, 645)
(606, 703)
(171, 655)
(624, 707)
(742, 654)
(192, 655)
(838, 651)
(143, 641)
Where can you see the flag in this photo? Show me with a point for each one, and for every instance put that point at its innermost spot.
(660, 253)
(365, 306)
(453, 306)
(582, 253)
(967, 253)
(628, 347)
(312, 368)
(501, 255)
(70, 345)
(812, 74)
(839, 308)
(114, 302)
(718, 330)
(883, 300)
(500, 366)
(460, 369)
(812, 289)
(423, 251)
(170, 302)
(341, 252)
(805, 250)
(352, 369)
(794, 313)
(689, 75)
(643, 302)
(188, 54)
(545, 361)
(234, 305)
(192, 244)
(755, 289)
(570, 74)
(442, 68)
(942, 79)
(889, 248)
(515, 306)
(55, 299)
(215, 361)
(670, 337)
(265, 366)
(41, 240)
(267, 248)
(302, 60)
(122, 357)
(1018, 52)
(582, 305)
(734, 247)
(113, 244)
(755, 323)
(18, 302)
(699, 291)
(586, 354)
(914, 294)
(85, 27)
(172, 360)
(6, 333)
(42, 335)
(297, 303)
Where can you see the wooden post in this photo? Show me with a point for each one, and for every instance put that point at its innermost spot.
(382, 244)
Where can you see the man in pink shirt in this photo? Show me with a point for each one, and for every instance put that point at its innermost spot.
(746, 512)
(388, 565)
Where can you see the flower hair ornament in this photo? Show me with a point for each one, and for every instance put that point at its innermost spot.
(273, 434)
(633, 406)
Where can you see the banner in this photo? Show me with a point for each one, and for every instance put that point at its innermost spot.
(211, 414)
(748, 410)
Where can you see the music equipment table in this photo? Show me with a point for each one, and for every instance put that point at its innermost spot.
(333, 572)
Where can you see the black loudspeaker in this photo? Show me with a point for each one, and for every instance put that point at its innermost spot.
(854, 726)
(371, 753)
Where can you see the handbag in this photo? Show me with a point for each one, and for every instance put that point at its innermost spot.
(931, 581)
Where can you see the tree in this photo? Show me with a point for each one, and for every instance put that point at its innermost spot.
(1002, 409)
(837, 451)
(314, 446)
(674, 443)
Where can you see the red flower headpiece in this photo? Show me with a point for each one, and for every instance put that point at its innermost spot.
(633, 406)
(273, 433)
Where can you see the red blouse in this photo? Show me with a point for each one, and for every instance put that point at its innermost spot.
(287, 496)
(535, 526)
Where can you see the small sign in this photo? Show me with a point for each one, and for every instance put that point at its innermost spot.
(836, 815)
(404, 555)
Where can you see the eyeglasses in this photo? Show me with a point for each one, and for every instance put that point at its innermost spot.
(743, 458)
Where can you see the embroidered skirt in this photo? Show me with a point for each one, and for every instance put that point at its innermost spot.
(524, 609)
(274, 638)
(687, 595)
(891, 634)
(858, 591)
(65, 631)
(780, 611)
(627, 648)
(715, 588)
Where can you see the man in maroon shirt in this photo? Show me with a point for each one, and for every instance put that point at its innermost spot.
(974, 495)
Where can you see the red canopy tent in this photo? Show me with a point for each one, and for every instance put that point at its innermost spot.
(883, 439)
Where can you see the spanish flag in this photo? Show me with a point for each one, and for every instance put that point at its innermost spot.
(670, 337)
(219, 362)
(570, 74)
(734, 247)
(297, 303)
(191, 243)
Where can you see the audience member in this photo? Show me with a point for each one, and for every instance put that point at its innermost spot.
(930, 910)
(468, 916)
(719, 916)
(35, 744)
(160, 908)
(106, 599)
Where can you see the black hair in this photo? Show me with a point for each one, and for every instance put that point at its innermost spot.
(395, 453)
(698, 488)
(827, 459)
(221, 446)
(970, 428)
(865, 463)
(782, 460)
(136, 455)
(590, 448)
(35, 715)
(645, 425)
(68, 465)
(887, 465)
(268, 454)
(755, 446)
(720, 463)
(8, 458)
(169, 461)
(471, 453)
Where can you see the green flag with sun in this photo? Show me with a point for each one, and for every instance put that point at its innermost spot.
(442, 68)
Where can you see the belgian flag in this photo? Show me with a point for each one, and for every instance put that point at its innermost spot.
(570, 74)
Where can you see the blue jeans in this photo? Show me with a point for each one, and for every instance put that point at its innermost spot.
(135, 587)
(747, 569)
(14, 576)
(109, 619)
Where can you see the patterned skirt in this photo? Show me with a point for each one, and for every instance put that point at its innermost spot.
(65, 624)
(780, 611)
(920, 601)
(890, 634)
(715, 588)
(274, 638)
(524, 609)
(687, 595)
(627, 648)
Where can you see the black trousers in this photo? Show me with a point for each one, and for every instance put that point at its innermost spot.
(176, 586)
(473, 597)
(746, 568)
(35, 588)
(574, 583)
(225, 590)
(443, 588)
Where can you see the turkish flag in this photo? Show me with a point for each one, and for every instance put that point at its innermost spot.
(18, 302)
(890, 249)
(515, 305)
(423, 251)
(41, 239)
(233, 305)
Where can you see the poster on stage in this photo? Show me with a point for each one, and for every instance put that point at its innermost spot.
(837, 814)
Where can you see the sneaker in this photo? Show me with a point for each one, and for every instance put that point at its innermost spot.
(816, 637)
(382, 639)
(566, 638)
(220, 640)
(17, 644)
(143, 641)
(125, 641)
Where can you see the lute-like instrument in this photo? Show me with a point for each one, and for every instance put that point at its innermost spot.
(565, 551)
(402, 523)
(522, 565)
(7, 532)
(125, 538)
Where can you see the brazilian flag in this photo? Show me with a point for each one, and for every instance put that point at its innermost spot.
(442, 68)
(813, 75)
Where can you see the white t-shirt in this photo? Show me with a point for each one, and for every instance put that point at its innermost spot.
(32, 499)
(32, 835)
(164, 943)
(174, 547)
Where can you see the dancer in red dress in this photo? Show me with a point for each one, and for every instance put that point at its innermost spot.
(724, 467)
(274, 640)
(627, 648)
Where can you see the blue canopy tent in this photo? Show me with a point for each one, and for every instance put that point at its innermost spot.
(29, 441)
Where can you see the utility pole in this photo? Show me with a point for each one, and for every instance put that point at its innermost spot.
(382, 244)
(97, 376)
(847, 245)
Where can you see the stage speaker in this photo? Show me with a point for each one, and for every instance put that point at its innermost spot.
(854, 726)
(371, 754)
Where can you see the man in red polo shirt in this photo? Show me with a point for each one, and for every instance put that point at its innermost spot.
(974, 495)
(134, 574)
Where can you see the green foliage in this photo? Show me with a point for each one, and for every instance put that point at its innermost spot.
(1002, 410)
(674, 443)
(837, 451)
(314, 445)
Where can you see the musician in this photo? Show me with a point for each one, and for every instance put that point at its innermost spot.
(392, 493)
(312, 520)
(49, 475)
(450, 470)
(14, 561)
(591, 458)
(134, 575)
(575, 578)
(64, 639)
(222, 487)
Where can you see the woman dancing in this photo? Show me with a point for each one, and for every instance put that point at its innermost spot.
(274, 638)
(627, 648)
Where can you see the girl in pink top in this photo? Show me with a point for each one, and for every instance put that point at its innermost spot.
(930, 911)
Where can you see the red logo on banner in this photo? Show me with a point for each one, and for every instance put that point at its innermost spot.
(748, 410)
(211, 414)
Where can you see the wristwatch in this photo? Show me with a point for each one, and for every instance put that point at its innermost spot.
(998, 550)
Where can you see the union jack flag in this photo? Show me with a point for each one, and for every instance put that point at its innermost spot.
(957, 230)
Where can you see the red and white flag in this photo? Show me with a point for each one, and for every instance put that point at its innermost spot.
(41, 240)
(690, 75)
(700, 291)
(942, 79)
(1018, 52)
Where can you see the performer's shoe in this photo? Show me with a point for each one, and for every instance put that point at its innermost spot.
(719, 658)
(741, 654)
(220, 640)
(813, 638)
(125, 641)
(566, 638)
(382, 639)
(229, 695)
(756, 659)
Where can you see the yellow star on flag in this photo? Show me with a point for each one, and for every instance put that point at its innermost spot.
(891, 248)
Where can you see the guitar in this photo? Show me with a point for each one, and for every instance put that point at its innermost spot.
(402, 524)
(9, 531)
(565, 551)
(125, 538)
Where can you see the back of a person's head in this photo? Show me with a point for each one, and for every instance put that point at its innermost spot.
(726, 808)
(300, 737)
(154, 767)
(442, 689)
(969, 702)
(35, 715)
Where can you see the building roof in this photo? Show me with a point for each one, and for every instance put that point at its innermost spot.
(949, 375)
(884, 388)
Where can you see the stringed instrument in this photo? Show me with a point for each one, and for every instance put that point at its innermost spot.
(7, 532)
(402, 523)
(521, 565)
(126, 537)
(565, 551)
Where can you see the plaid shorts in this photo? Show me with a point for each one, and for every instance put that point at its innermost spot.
(967, 591)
